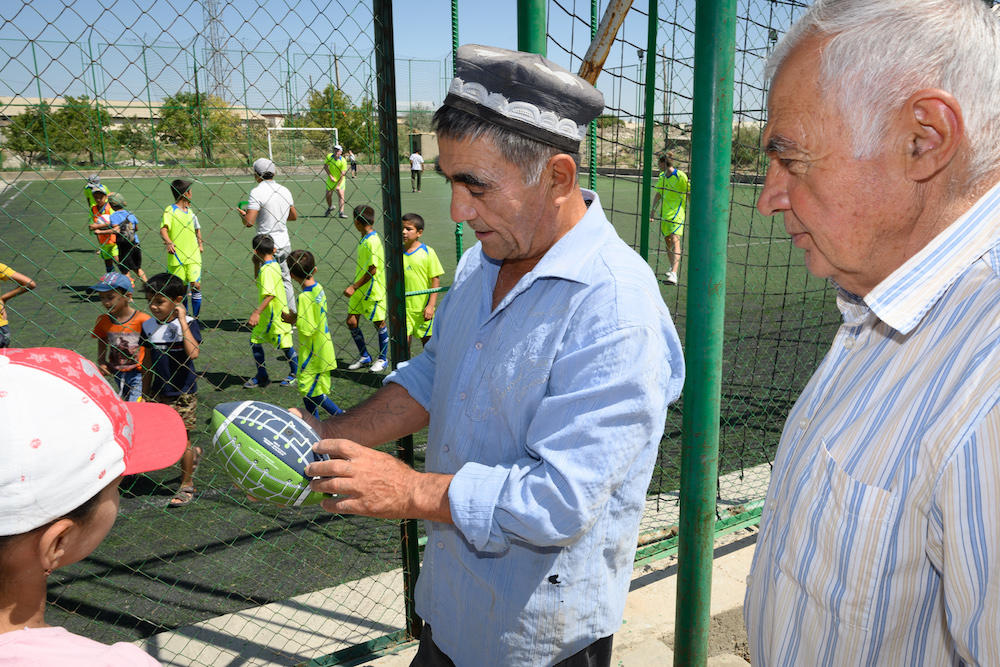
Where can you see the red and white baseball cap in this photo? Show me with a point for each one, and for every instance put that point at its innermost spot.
(65, 435)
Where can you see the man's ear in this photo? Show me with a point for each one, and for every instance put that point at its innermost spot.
(562, 172)
(935, 131)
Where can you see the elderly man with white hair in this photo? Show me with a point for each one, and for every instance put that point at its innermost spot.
(880, 536)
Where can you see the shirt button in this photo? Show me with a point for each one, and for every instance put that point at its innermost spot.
(440, 545)
(479, 346)
(803, 423)
(749, 580)
(462, 396)
(849, 343)
(446, 448)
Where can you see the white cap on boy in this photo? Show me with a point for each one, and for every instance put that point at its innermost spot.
(66, 435)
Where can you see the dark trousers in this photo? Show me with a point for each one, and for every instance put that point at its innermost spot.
(597, 654)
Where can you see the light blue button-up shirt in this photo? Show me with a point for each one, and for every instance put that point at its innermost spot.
(549, 411)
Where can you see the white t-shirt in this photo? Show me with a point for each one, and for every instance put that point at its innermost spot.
(416, 162)
(273, 202)
(57, 647)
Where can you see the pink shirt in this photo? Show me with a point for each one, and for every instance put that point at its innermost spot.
(57, 647)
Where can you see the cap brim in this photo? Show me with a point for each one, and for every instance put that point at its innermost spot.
(158, 438)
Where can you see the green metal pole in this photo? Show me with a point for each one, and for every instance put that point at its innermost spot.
(41, 106)
(149, 103)
(649, 129)
(385, 66)
(197, 101)
(593, 124)
(715, 38)
(454, 67)
(531, 26)
(97, 111)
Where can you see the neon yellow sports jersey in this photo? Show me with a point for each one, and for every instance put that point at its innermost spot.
(420, 267)
(370, 253)
(5, 274)
(673, 188)
(316, 351)
(181, 227)
(337, 166)
(269, 283)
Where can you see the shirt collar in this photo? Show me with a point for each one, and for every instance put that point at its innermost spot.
(310, 288)
(902, 299)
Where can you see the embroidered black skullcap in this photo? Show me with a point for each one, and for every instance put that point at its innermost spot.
(525, 93)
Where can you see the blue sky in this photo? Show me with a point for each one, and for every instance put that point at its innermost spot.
(264, 69)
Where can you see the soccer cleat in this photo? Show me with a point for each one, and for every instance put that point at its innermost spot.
(343, 215)
(671, 278)
(253, 384)
(358, 363)
(328, 212)
(287, 382)
(379, 366)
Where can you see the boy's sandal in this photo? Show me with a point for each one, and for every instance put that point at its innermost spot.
(184, 495)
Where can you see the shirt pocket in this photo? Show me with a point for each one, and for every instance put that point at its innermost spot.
(838, 534)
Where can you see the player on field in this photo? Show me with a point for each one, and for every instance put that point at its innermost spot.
(24, 284)
(318, 356)
(181, 235)
(335, 166)
(102, 226)
(367, 292)
(671, 194)
(422, 270)
(266, 319)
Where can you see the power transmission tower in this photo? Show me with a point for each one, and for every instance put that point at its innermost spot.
(215, 63)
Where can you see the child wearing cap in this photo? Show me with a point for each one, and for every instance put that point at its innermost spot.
(129, 254)
(181, 234)
(101, 225)
(59, 491)
(24, 284)
(118, 333)
(172, 339)
(335, 167)
(318, 356)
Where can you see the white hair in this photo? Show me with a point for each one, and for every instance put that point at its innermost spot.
(882, 51)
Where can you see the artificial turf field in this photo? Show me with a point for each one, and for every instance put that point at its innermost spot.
(159, 568)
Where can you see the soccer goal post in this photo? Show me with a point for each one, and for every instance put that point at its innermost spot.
(287, 143)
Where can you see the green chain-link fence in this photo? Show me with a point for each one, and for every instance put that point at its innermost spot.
(222, 579)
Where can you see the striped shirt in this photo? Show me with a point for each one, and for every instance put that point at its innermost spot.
(880, 538)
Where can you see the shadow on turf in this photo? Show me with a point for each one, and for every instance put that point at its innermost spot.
(81, 293)
(224, 380)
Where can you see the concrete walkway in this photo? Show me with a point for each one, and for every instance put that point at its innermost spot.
(294, 631)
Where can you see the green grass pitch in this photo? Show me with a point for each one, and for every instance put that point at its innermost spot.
(161, 569)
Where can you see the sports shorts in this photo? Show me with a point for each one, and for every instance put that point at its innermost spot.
(668, 227)
(189, 273)
(416, 325)
(186, 406)
(109, 251)
(368, 308)
(313, 384)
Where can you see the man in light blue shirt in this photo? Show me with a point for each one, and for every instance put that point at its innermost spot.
(545, 388)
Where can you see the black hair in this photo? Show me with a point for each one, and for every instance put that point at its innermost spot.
(667, 159)
(301, 264)
(180, 186)
(365, 214)
(263, 244)
(418, 222)
(166, 284)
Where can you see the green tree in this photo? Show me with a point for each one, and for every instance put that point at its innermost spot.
(197, 120)
(131, 138)
(607, 120)
(78, 126)
(357, 124)
(746, 152)
(24, 135)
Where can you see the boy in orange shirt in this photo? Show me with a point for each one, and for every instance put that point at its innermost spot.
(119, 352)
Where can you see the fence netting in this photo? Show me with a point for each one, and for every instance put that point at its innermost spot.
(199, 91)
